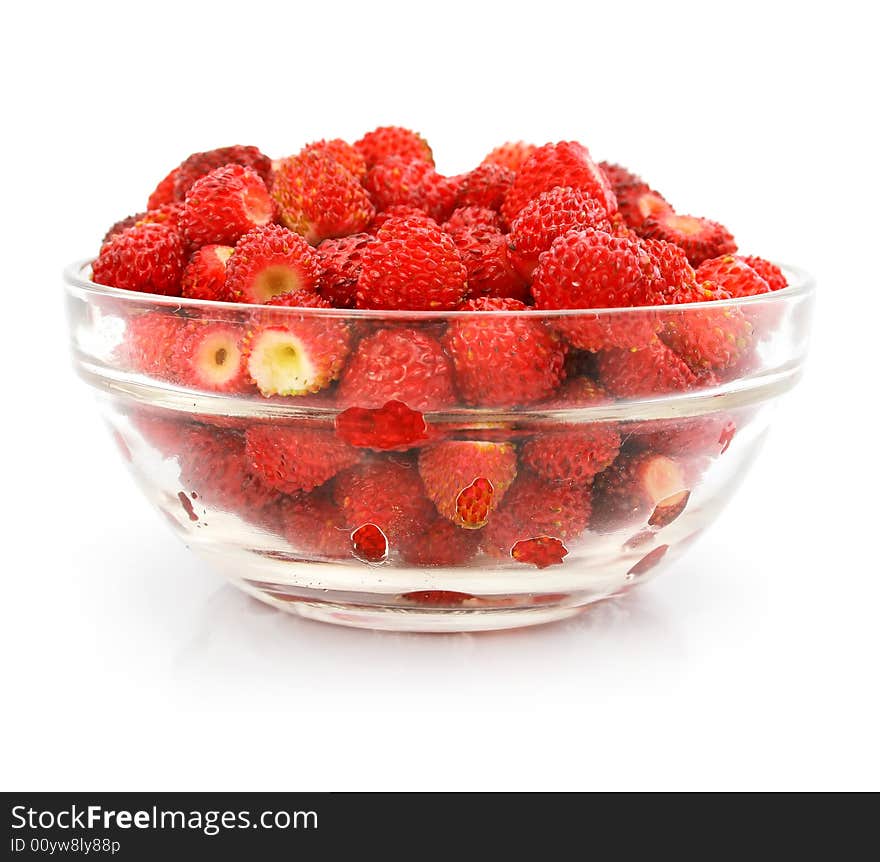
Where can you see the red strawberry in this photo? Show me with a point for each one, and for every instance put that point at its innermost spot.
(224, 205)
(295, 354)
(419, 269)
(369, 543)
(580, 391)
(700, 238)
(404, 365)
(205, 274)
(313, 525)
(164, 192)
(549, 216)
(564, 164)
(770, 272)
(592, 269)
(717, 338)
(402, 214)
(503, 360)
(319, 198)
(378, 145)
(271, 261)
(386, 494)
(168, 214)
(341, 261)
(635, 198)
(442, 544)
(574, 455)
(651, 370)
(210, 356)
(541, 552)
(701, 435)
(340, 151)
(398, 181)
(642, 488)
(151, 340)
(468, 217)
(467, 479)
(490, 271)
(535, 509)
(485, 186)
(392, 427)
(510, 155)
(296, 459)
(147, 257)
(215, 472)
(733, 275)
(199, 165)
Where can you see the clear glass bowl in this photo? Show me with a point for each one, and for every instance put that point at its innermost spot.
(366, 547)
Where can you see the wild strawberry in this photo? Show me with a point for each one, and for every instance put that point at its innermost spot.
(577, 391)
(677, 280)
(313, 525)
(406, 365)
(470, 217)
(168, 214)
(442, 544)
(199, 165)
(563, 164)
(296, 459)
(485, 186)
(701, 435)
(342, 152)
(210, 356)
(215, 472)
(340, 261)
(490, 272)
(549, 216)
(391, 427)
(592, 269)
(397, 181)
(636, 200)
(295, 354)
(644, 488)
(224, 205)
(575, 455)
(510, 155)
(164, 192)
(150, 342)
(534, 510)
(378, 145)
(503, 360)
(403, 214)
(205, 274)
(651, 370)
(419, 269)
(733, 275)
(319, 198)
(387, 495)
(467, 479)
(147, 257)
(268, 262)
(716, 338)
(700, 238)
(770, 272)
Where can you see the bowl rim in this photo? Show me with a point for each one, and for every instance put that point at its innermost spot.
(801, 283)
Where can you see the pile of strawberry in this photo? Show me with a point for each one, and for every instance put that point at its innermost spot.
(373, 225)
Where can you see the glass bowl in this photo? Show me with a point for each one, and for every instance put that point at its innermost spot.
(584, 498)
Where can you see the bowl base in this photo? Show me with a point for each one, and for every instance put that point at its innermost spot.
(415, 619)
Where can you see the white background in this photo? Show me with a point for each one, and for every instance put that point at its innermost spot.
(129, 665)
